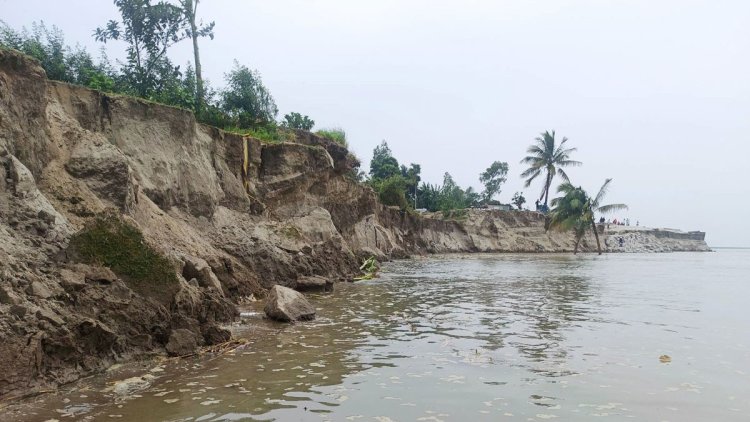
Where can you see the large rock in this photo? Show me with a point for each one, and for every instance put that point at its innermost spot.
(287, 305)
(314, 283)
(199, 269)
(181, 342)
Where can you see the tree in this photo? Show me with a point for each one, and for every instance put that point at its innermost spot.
(195, 31)
(492, 179)
(246, 100)
(295, 120)
(412, 178)
(545, 157)
(518, 200)
(391, 191)
(428, 197)
(383, 164)
(576, 210)
(149, 30)
(472, 198)
(59, 61)
(452, 197)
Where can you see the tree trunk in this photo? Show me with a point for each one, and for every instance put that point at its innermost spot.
(578, 241)
(198, 76)
(596, 235)
(546, 188)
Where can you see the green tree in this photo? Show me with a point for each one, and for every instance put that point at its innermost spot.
(412, 177)
(246, 100)
(473, 198)
(452, 197)
(518, 200)
(548, 158)
(391, 191)
(149, 30)
(492, 179)
(383, 165)
(59, 61)
(428, 197)
(196, 30)
(576, 211)
(295, 120)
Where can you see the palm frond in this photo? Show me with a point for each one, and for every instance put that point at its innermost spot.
(535, 149)
(535, 161)
(564, 175)
(535, 171)
(602, 192)
(565, 188)
(606, 209)
(569, 163)
(533, 176)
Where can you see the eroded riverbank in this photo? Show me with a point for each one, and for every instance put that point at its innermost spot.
(480, 337)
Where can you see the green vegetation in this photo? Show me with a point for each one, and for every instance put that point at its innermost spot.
(61, 62)
(112, 243)
(190, 9)
(383, 164)
(334, 134)
(548, 158)
(492, 179)
(575, 211)
(246, 101)
(295, 120)
(395, 185)
(399, 185)
(370, 268)
(150, 28)
(391, 191)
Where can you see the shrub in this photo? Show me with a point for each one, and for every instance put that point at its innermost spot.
(391, 191)
(334, 134)
(295, 120)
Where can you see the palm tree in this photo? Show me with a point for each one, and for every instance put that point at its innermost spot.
(575, 210)
(548, 158)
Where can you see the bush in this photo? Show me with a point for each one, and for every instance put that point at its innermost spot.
(391, 191)
(295, 120)
(335, 134)
(267, 133)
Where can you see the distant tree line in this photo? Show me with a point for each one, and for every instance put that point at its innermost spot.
(399, 185)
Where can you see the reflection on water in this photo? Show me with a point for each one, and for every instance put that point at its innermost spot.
(484, 337)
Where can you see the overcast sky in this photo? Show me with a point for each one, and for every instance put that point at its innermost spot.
(655, 94)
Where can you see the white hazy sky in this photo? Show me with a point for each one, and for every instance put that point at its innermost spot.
(655, 94)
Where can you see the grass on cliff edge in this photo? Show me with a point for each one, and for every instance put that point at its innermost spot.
(334, 134)
(112, 243)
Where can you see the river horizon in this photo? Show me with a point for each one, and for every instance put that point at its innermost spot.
(470, 337)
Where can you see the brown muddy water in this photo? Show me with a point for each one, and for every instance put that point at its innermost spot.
(467, 338)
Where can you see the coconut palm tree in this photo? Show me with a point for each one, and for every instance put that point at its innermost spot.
(548, 158)
(575, 210)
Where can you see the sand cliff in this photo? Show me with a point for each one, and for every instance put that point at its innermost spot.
(82, 170)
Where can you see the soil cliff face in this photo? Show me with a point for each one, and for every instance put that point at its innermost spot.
(126, 228)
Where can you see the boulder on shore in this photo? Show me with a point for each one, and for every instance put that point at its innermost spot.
(314, 283)
(181, 342)
(286, 305)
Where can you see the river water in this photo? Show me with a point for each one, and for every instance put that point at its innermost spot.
(657, 337)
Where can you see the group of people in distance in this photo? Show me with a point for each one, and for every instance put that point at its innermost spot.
(617, 222)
